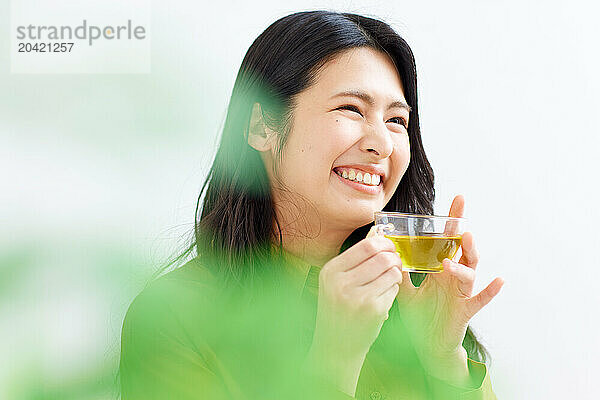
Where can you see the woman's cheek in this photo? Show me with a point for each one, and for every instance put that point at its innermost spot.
(346, 135)
(402, 149)
(400, 159)
(336, 137)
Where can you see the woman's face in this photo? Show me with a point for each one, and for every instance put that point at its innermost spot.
(336, 134)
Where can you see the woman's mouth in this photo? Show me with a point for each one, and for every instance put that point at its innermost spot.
(359, 180)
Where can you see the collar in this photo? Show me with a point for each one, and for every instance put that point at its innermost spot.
(304, 276)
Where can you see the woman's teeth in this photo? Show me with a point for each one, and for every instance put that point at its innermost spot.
(358, 176)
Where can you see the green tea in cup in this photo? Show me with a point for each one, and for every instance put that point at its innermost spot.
(422, 241)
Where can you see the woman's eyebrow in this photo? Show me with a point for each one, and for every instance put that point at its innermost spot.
(366, 97)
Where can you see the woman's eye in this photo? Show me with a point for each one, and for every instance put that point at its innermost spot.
(351, 108)
(401, 121)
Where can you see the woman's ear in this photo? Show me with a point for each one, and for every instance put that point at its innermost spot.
(259, 136)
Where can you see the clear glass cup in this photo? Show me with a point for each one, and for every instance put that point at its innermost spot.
(422, 241)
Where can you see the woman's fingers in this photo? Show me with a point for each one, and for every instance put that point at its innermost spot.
(388, 296)
(372, 232)
(464, 275)
(374, 267)
(458, 206)
(476, 303)
(392, 277)
(470, 255)
(361, 252)
(456, 210)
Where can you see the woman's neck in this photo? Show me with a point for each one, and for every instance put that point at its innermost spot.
(313, 245)
(302, 233)
(313, 251)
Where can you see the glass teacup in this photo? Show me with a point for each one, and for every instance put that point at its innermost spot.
(422, 241)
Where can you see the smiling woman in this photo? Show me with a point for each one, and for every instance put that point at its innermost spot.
(357, 131)
(286, 296)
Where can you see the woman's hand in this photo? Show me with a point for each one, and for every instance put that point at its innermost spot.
(356, 291)
(436, 314)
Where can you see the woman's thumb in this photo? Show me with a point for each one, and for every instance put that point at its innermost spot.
(372, 231)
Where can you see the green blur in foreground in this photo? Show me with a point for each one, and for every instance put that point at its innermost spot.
(62, 302)
(187, 336)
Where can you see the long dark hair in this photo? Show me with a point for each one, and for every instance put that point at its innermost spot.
(236, 226)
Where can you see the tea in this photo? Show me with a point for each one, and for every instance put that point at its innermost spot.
(425, 253)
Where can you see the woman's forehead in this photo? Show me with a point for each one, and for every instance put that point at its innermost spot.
(359, 70)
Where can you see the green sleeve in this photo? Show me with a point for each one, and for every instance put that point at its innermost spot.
(398, 373)
(444, 391)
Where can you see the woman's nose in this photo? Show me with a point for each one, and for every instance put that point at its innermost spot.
(378, 140)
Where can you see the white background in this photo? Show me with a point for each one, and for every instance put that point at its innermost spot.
(100, 167)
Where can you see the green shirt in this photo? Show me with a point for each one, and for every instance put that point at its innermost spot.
(182, 340)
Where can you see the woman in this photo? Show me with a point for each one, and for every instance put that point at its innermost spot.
(291, 294)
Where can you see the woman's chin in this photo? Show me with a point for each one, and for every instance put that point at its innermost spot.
(357, 213)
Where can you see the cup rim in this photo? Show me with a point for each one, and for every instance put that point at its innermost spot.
(399, 214)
